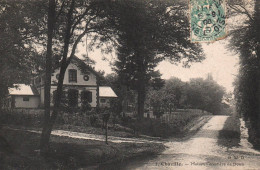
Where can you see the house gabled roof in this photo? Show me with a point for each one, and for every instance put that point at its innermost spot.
(84, 67)
(106, 91)
(22, 89)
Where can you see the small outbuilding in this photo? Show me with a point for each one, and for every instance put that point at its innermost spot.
(106, 93)
(23, 96)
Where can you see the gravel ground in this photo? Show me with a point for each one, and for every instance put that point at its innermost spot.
(202, 151)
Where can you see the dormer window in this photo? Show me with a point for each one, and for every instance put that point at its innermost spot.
(72, 75)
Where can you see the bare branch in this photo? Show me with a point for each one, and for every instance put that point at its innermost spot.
(79, 18)
(76, 43)
(236, 31)
(61, 8)
(246, 12)
(67, 33)
(240, 11)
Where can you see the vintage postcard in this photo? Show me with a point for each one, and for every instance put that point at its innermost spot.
(129, 84)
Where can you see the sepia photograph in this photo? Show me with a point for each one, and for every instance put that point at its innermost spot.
(129, 84)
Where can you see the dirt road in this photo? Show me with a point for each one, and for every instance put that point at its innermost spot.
(78, 135)
(202, 151)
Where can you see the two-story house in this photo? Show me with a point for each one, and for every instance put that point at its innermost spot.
(81, 84)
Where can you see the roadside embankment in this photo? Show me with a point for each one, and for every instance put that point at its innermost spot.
(66, 152)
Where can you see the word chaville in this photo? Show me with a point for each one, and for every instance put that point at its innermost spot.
(207, 18)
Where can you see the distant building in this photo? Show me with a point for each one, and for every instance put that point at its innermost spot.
(210, 77)
(81, 83)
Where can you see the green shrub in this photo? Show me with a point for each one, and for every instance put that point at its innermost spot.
(93, 120)
(35, 119)
(76, 119)
(162, 127)
(21, 118)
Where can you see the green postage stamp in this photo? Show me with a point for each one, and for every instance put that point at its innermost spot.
(208, 20)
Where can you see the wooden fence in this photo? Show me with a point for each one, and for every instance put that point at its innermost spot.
(169, 117)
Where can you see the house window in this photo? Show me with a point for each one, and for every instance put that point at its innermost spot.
(86, 96)
(63, 96)
(72, 75)
(26, 99)
(103, 100)
(73, 97)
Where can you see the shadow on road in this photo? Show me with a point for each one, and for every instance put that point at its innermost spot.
(229, 136)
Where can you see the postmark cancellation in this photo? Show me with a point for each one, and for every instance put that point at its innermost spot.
(208, 20)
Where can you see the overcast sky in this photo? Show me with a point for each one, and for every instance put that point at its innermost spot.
(221, 63)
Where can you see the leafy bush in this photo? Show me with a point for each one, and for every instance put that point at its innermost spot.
(174, 124)
(93, 120)
(21, 118)
(35, 118)
(76, 119)
(153, 127)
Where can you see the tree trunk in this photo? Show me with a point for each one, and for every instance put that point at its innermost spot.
(125, 98)
(49, 125)
(51, 21)
(141, 83)
(50, 120)
(257, 50)
(98, 104)
(140, 98)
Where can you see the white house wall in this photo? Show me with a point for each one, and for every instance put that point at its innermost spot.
(33, 102)
(80, 89)
(80, 85)
(80, 81)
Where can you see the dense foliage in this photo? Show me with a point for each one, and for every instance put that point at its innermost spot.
(198, 93)
(18, 29)
(147, 33)
(245, 40)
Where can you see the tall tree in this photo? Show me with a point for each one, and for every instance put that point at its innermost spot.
(149, 32)
(196, 94)
(205, 95)
(245, 40)
(72, 21)
(48, 72)
(18, 26)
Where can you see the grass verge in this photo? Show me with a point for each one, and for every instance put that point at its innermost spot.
(66, 153)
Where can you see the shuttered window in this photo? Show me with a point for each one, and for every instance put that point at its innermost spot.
(86, 96)
(73, 97)
(63, 96)
(72, 75)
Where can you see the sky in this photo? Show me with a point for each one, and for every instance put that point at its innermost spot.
(220, 62)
